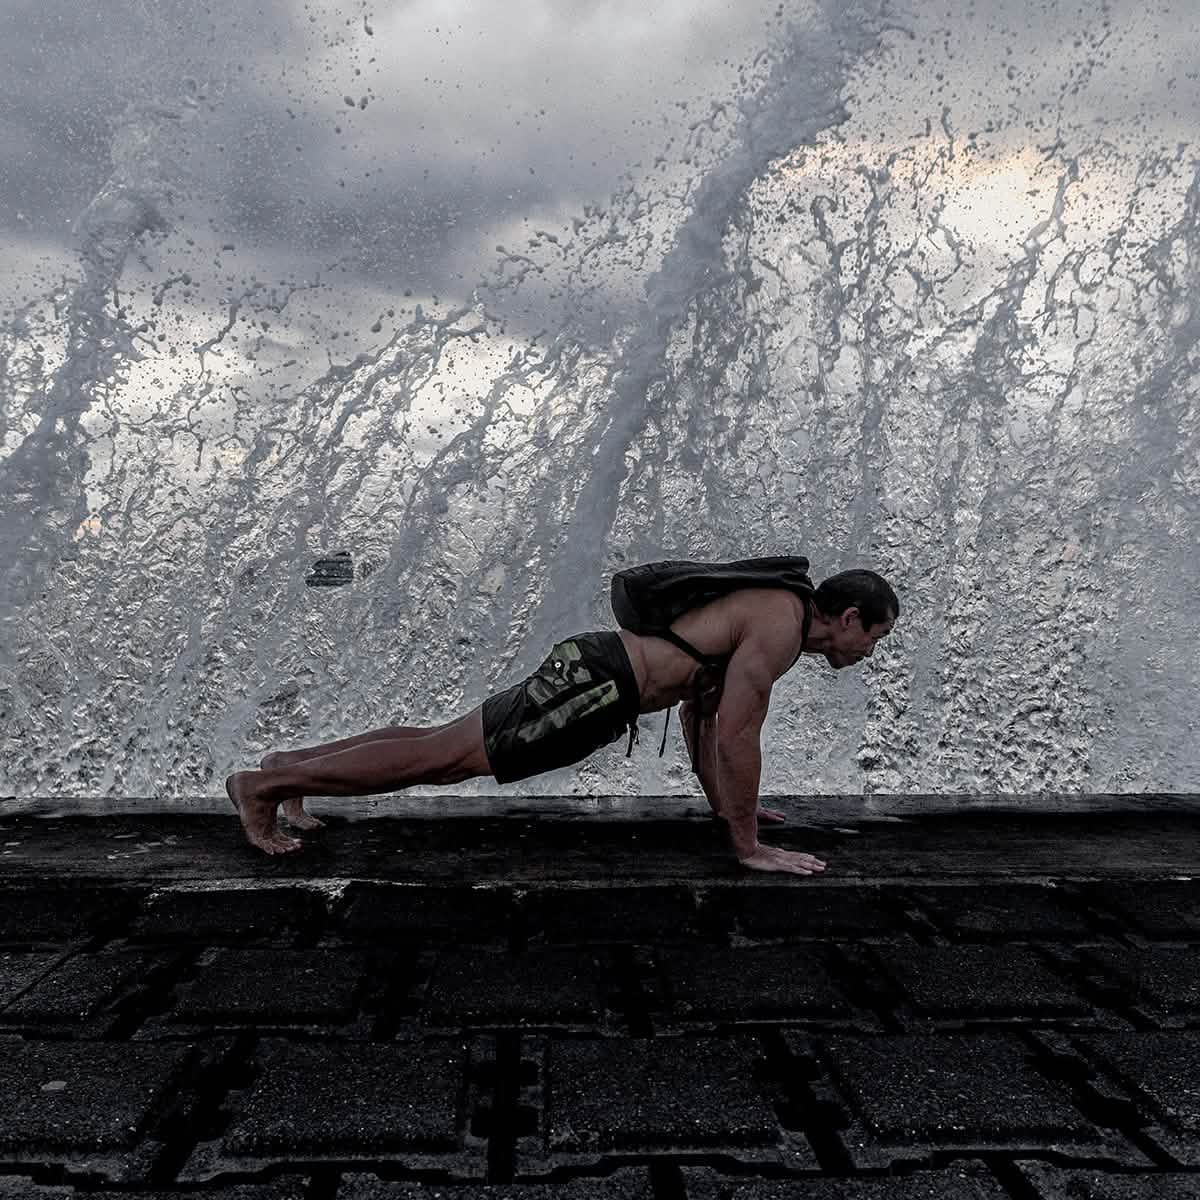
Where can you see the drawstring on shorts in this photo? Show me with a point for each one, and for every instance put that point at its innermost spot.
(634, 736)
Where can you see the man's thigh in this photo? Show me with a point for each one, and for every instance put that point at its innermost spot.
(465, 741)
(567, 708)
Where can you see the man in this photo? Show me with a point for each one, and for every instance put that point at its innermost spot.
(589, 690)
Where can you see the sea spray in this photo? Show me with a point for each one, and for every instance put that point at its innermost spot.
(800, 99)
(832, 355)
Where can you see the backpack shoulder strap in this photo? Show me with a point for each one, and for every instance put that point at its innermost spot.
(705, 660)
(708, 660)
(715, 663)
(720, 664)
(808, 609)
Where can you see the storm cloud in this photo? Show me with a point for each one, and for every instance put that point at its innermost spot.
(391, 137)
(400, 144)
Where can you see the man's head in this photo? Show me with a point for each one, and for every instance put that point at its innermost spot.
(855, 609)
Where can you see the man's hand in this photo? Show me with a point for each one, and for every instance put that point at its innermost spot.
(771, 858)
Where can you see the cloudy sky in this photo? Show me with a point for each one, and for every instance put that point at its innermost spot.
(401, 138)
(393, 145)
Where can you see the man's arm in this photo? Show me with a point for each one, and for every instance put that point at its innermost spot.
(706, 763)
(755, 666)
(748, 683)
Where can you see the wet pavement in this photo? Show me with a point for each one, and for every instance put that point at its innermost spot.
(997, 1002)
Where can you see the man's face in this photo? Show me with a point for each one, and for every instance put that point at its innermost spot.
(852, 642)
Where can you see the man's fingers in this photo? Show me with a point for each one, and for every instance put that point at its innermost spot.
(773, 858)
(806, 864)
(801, 864)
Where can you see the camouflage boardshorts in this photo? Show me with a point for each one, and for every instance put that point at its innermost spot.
(582, 697)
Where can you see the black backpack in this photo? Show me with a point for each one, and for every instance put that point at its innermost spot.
(646, 599)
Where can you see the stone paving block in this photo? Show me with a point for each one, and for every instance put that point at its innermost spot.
(663, 1095)
(287, 1188)
(958, 1181)
(228, 915)
(267, 986)
(326, 1115)
(83, 987)
(87, 1105)
(1160, 1071)
(1160, 983)
(349, 1102)
(20, 969)
(40, 915)
(379, 913)
(1062, 1183)
(19, 1187)
(1167, 909)
(953, 984)
(755, 983)
(1006, 913)
(627, 1183)
(770, 912)
(913, 1094)
(616, 914)
(543, 986)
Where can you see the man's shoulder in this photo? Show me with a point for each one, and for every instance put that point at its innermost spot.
(772, 603)
(763, 619)
(769, 622)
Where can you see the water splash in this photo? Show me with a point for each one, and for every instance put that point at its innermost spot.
(830, 356)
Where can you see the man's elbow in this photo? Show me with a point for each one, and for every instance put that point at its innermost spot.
(735, 738)
(742, 723)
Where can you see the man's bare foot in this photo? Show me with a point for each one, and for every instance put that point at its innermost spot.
(294, 812)
(257, 813)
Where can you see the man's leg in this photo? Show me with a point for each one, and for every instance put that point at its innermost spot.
(282, 758)
(293, 808)
(444, 755)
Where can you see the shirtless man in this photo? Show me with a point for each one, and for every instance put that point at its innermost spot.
(588, 692)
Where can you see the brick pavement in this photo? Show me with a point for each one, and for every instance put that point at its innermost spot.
(230, 1028)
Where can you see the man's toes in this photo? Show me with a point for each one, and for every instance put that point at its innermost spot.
(305, 820)
(273, 842)
(269, 761)
(294, 813)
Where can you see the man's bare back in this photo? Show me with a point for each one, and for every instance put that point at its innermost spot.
(666, 674)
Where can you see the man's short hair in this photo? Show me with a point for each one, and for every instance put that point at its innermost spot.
(871, 594)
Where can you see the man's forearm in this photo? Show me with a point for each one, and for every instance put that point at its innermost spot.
(739, 767)
(707, 775)
(704, 755)
(706, 767)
